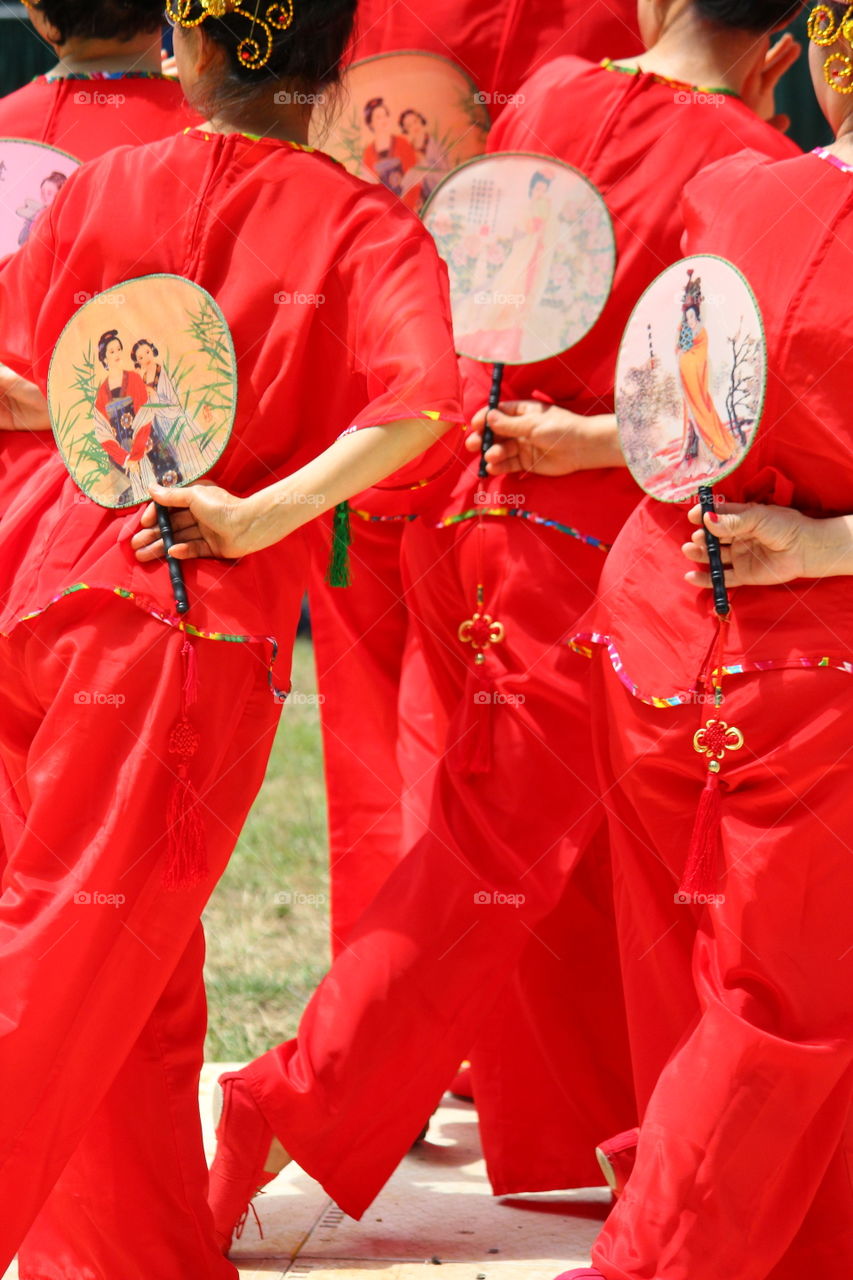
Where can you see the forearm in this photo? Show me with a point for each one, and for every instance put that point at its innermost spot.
(355, 462)
(605, 449)
(828, 547)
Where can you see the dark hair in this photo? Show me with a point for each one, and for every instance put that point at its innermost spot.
(143, 342)
(101, 19)
(104, 341)
(537, 177)
(749, 15)
(410, 111)
(308, 55)
(58, 179)
(369, 107)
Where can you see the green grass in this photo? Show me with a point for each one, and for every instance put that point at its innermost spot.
(265, 952)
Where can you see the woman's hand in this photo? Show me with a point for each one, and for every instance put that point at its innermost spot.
(545, 439)
(759, 90)
(206, 521)
(22, 405)
(763, 545)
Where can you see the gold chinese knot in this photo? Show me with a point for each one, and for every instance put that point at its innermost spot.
(480, 631)
(714, 739)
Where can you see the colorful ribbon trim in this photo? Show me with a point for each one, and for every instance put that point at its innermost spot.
(171, 621)
(521, 513)
(583, 642)
(51, 77)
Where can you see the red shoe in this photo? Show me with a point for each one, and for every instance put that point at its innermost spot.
(585, 1273)
(248, 1156)
(616, 1158)
(460, 1085)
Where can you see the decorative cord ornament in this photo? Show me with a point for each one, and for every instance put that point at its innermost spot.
(254, 51)
(825, 30)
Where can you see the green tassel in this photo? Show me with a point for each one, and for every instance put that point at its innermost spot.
(338, 573)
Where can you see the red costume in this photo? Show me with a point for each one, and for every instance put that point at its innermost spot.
(430, 960)
(101, 1001)
(362, 634)
(629, 136)
(85, 116)
(740, 1010)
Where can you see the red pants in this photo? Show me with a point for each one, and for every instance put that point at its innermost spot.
(101, 1003)
(431, 957)
(378, 765)
(741, 1013)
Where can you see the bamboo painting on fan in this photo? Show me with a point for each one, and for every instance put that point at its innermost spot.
(142, 389)
(31, 176)
(690, 378)
(407, 119)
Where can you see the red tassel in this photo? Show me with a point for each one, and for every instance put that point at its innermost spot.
(186, 865)
(472, 752)
(701, 872)
(189, 692)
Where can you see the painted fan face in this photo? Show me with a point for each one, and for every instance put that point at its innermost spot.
(529, 246)
(408, 119)
(142, 389)
(31, 176)
(690, 378)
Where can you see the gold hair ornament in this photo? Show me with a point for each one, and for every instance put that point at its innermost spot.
(824, 30)
(251, 52)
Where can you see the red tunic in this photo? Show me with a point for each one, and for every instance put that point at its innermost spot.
(740, 1011)
(88, 115)
(357, 235)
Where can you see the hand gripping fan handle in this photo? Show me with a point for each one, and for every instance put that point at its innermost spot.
(176, 572)
(488, 434)
(718, 574)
